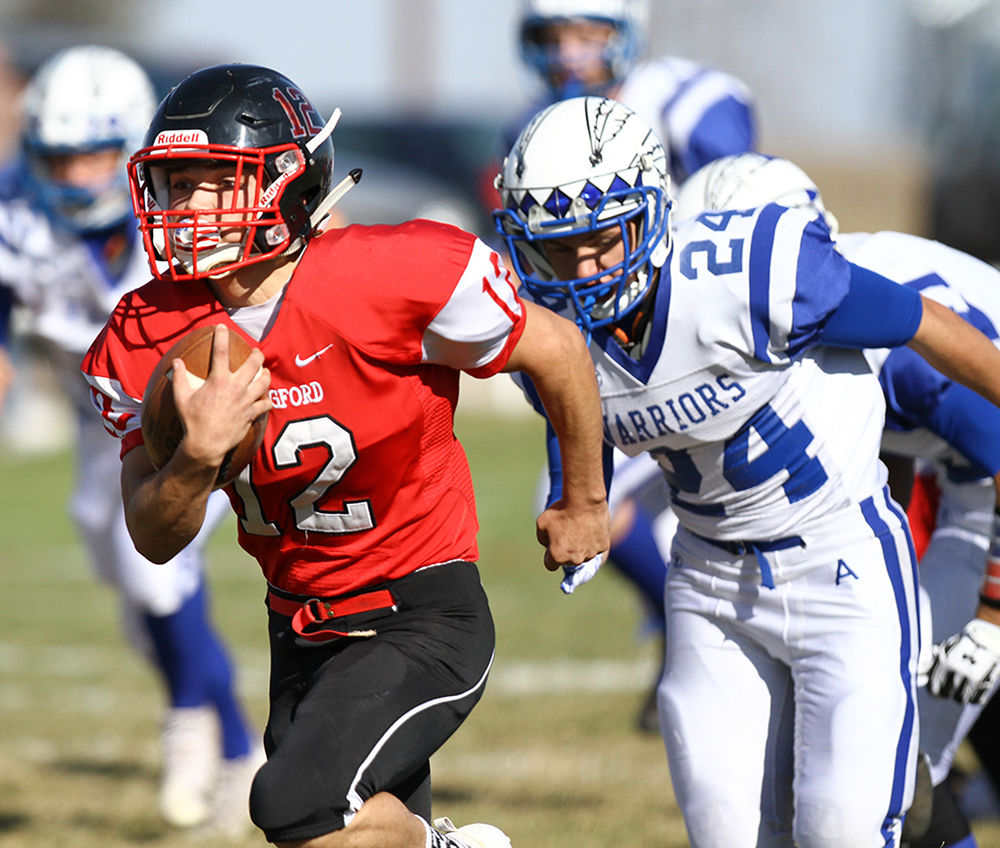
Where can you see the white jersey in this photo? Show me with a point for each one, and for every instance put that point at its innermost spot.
(65, 291)
(67, 297)
(952, 566)
(771, 440)
(969, 287)
(700, 113)
(757, 431)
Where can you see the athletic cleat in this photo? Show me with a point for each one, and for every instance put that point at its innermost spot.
(473, 835)
(190, 765)
(231, 803)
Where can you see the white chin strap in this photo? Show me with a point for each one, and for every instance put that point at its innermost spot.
(636, 285)
(208, 257)
(317, 219)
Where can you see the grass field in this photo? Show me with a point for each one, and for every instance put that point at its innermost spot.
(550, 754)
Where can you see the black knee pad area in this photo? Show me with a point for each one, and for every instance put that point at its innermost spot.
(948, 824)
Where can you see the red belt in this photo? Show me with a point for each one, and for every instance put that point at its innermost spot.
(309, 616)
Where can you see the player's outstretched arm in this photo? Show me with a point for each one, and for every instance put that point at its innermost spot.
(552, 352)
(164, 508)
(958, 350)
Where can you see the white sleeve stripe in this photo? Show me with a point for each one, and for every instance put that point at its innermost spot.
(694, 99)
(112, 388)
(119, 412)
(472, 328)
(784, 279)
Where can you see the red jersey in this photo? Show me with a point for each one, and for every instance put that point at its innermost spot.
(360, 478)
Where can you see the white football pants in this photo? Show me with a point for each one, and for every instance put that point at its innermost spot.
(96, 507)
(789, 714)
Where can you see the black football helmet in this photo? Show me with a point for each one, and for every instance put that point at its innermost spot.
(261, 122)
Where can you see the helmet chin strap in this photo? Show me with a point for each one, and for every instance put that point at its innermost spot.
(338, 191)
(211, 258)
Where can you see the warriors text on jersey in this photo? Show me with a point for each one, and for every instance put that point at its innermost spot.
(360, 478)
(757, 430)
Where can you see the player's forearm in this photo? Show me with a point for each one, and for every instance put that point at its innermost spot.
(552, 353)
(958, 350)
(164, 510)
(575, 416)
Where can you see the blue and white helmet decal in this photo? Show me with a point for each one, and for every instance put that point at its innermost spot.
(583, 165)
(83, 99)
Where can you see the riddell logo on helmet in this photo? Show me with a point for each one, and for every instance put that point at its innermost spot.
(181, 137)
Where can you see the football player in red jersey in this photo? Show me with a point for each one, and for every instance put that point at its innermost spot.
(359, 506)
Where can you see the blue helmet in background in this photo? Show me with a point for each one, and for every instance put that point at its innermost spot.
(582, 165)
(617, 52)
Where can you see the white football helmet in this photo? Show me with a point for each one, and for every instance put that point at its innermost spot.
(582, 165)
(84, 99)
(747, 181)
(629, 18)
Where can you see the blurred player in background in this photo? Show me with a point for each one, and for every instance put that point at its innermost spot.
(931, 418)
(69, 249)
(732, 350)
(579, 47)
(359, 505)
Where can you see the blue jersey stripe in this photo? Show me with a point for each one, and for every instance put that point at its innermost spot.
(894, 568)
(761, 247)
(822, 281)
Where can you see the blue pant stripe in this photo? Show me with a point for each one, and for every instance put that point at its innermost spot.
(894, 569)
(895, 509)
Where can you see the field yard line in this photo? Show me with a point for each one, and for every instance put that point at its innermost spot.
(512, 678)
(556, 676)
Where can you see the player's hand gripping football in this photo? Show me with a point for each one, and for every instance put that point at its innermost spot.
(218, 412)
(576, 539)
(965, 666)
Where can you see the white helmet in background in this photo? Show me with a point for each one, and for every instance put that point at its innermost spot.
(81, 100)
(629, 20)
(582, 165)
(747, 181)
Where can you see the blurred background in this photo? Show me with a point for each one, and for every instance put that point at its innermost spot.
(892, 107)
(880, 99)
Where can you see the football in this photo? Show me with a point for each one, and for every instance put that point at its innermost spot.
(162, 428)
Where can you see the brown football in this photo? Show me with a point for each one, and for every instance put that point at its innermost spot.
(162, 428)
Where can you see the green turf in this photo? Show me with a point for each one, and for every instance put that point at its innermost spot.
(550, 754)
